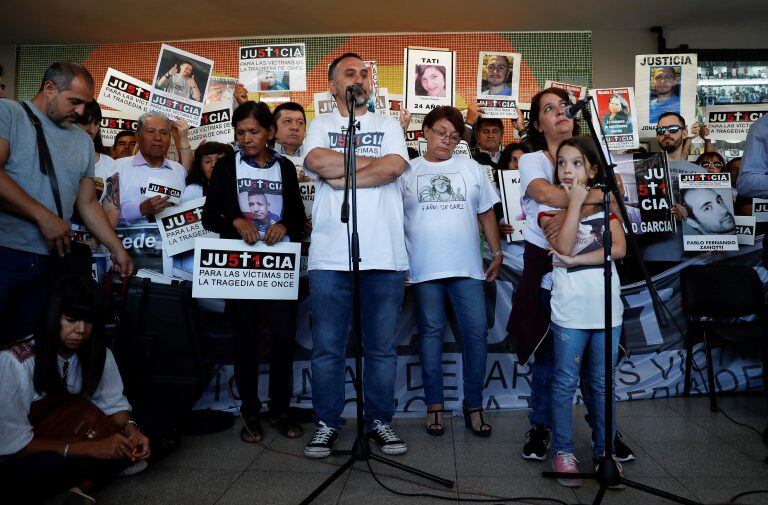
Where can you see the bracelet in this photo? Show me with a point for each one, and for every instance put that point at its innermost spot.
(496, 254)
(66, 450)
(185, 149)
(129, 421)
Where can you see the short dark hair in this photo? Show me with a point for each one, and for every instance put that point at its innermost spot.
(506, 154)
(678, 116)
(289, 106)
(493, 121)
(62, 73)
(124, 133)
(257, 110)
(535, 138)
(716, 154)
(335, 63)
(196, 175)
(447, 112)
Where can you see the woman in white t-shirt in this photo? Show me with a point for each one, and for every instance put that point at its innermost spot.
(444, 198)
(578, 303)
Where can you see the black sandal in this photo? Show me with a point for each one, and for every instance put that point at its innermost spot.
(482, 432)
(436, 429)
(285, 425)
(252, 432)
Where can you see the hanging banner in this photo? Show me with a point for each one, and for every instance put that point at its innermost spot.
(122, 92)
(664, 83)
(498, 80)
(710, 225)
(144, 244)
(232, 269)
(429, 78)
(277, 67)
(511, 200)
(617, 115)
(654, 197)
(180, 83)
(731, 122)
(181, 224)
(113, 122)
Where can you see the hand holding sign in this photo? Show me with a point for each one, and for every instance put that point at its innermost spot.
(275, 233)
(152, 206)
(247, 230)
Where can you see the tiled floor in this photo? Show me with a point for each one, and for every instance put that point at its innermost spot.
(681, 447)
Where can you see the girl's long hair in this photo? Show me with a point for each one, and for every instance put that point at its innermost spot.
(586, 147)
(78, 298)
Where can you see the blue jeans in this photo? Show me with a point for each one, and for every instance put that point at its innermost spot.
(541, 374)
(570, 347)
(467, 298)
(330, 301)
(25, 284)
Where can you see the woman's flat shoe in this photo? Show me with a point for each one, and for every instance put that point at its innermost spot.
(485, 428)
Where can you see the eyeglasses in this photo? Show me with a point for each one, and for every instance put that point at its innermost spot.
(443, 134)
(660, 130)
(713, 164)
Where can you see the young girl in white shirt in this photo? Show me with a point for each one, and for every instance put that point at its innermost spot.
(578, 303)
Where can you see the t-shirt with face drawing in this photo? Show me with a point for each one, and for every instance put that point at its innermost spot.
(260, 191)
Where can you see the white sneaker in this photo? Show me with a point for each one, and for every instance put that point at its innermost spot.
(321, 445)
(388, 441)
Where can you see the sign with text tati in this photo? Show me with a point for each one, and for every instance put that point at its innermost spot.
(232, 269)
(180, 225)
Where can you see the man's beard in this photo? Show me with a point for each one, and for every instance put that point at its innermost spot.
(670, 148)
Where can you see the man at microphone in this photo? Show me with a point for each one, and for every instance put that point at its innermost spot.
(381, 157)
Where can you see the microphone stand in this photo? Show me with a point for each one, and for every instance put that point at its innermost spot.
(361, 449)
(607, 473)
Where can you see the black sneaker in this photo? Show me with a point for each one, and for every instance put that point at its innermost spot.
(621, 452)
(536, 446)
(321, 445)
(389, 442)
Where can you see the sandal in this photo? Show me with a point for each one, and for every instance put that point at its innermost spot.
(286, 426)
(252, 433)
(435, 428)
(485, 428)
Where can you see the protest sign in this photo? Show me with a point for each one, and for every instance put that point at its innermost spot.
(114, 121)
(745, 230)
(525, 108)
(307, 190)
(221, 89)
(215, 125)
(511, 201)
(625, 170)
(180, 83)
(180, 225)
(664, 83)
(653, 195)
(498, 79)
(575, 91)
(395, 105)
(414, 131)
(144, 244)
(382, 101)
(274, 68)
(232, 269)
(615, 112)
(324, 103)
(731, 122)
(710, 225)
(122, 92)
(429, 77)
(159, 187)
(760, 209)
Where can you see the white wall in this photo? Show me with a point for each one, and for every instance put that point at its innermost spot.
(8, 61)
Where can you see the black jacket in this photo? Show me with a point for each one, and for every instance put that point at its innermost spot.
(222, 207)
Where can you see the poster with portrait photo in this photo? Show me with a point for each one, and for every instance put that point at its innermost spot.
(498, 80)
(710, 225)
(221, 89)
(274, 68)
(428, 80)
(179, 86)
(575, 91)
(617, 115)
(664, 83)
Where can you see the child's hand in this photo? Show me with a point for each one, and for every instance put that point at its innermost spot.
(577, 192)
(562, 260)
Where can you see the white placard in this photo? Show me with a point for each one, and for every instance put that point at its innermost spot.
(664, 83)
(511, 200)
(307, 190)
(429, 78)
(498, 80)
(181, 225)
(710, 225)
(114, 121)
(232, 269)
(617, 114)
(122, 92)
(156, 186)
(215, 125)
(745, 230)
(575, 91)
(760, 209)
(180, 83)
(731, 122)
(274, 68)
(324, 103)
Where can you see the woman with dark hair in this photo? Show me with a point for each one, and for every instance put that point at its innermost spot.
(231, 212)
(90, 123)
(55, 384)
(445, 197)
(206, 156)
(430, 80)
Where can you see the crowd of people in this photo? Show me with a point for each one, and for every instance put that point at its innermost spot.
(421, 221)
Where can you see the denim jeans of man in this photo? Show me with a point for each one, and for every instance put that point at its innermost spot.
(381, 301)
(467, 299)
(25, 284)
(570, 345)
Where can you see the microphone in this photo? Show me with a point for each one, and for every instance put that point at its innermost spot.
(573, 110)
(355, 91)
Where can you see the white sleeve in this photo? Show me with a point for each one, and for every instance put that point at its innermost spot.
(394, 140)
(317, 136)
(16, 395)
(488, 195)
(109, 395)
(531, 169)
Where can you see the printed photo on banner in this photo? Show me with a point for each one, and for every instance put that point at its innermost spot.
(158, 187)
(731, 123)
(498, 79)
(273, 68)
(511, 201)
(324, 103)
(745, 229)
(261, 201)
(617, 116)
(710, 225)
(221, 89)
(654, 199)
(113, 122)
(664, 83)
(232, 269)
(181, 225)
(122, 92)
(180, 82)
(215, 125)
(575, 91)
(429, 79)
